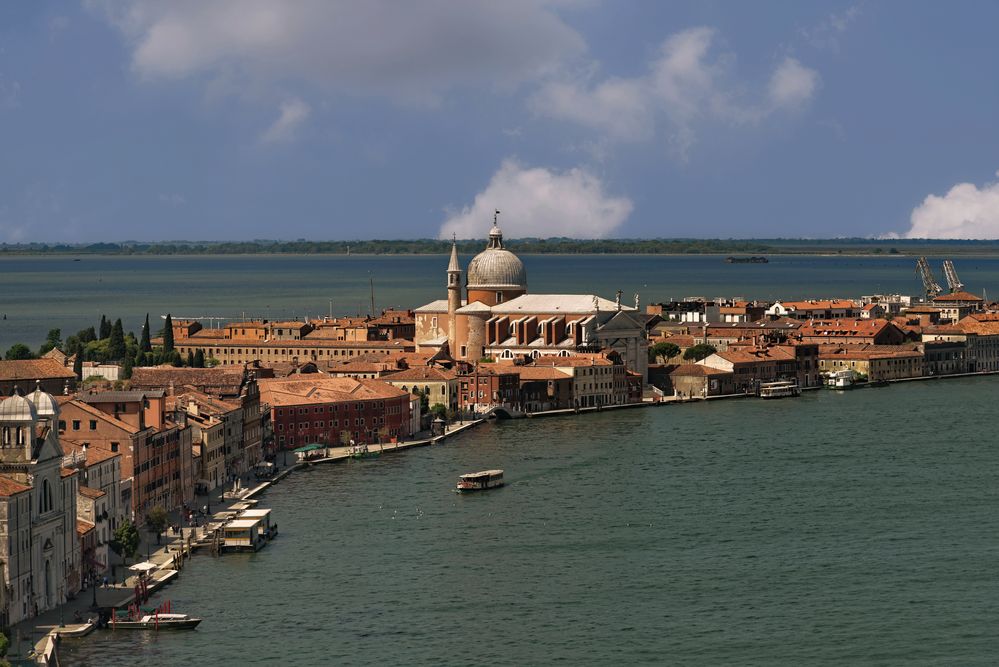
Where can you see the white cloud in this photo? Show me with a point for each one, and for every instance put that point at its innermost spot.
(294, 112)
(686, 85)
(965, 212)
(399, 49)
(541, 202)
(792, 84)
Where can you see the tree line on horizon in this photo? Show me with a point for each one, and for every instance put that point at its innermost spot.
(556, 245)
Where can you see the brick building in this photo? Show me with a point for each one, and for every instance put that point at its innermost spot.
(315, 409)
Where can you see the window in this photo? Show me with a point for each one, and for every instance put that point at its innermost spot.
(114, 446)
(62, 424)
(76, 424)
(93, 424)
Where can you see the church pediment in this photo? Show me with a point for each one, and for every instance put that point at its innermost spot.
(621, 321)
(48, 546)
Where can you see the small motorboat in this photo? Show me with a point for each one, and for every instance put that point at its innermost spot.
(480, 481)
(154, 621)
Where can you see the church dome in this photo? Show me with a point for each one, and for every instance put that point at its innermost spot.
(17, 408)
(45, 405)
(496, 268)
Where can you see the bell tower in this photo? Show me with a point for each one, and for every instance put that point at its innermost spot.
(453, 296)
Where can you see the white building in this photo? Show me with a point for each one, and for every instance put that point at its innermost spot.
(41, 563)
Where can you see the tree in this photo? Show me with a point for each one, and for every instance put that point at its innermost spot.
(664, 350)
(105, 328)
(190, 358)
(78, 365)
(86, 335)
(18, 351)
(144, 344)
(126, 370)
(439, 411)
(116, 342)
(156, 518)
(168, 335)
(174, 359)
(698, 352)
(199, 358)
(52, 341)
(126, 540)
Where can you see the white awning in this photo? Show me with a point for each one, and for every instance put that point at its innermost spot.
(143, 567)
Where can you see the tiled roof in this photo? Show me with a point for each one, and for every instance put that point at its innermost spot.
(99, 414)
(120, 396)
(830, 304)
(34, 369)
(956, 296)
(94, 454)
(309, 389)
(226, 379)
(88, 492)
(9, 487)
(576, 304)
(66, 472)
(697, 370)
(422, 373)
(83, 527)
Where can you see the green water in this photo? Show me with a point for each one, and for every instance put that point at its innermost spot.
(837, 528)
(39, 293)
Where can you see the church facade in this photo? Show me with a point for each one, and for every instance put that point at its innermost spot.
(492, 316)
(38, 527)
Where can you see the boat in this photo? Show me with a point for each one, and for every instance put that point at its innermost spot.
(153, 621)
(264, 470)
(780, 389)
(747, 260)
(362, 452)
(843, 379)
(480, 481)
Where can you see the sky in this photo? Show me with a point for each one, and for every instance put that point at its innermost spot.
(330, 120)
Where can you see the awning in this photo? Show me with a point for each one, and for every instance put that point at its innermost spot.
(309, 448)
(143, 567)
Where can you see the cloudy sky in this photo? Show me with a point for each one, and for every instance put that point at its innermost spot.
(325, 119)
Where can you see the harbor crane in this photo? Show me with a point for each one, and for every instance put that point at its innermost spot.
(953, 282)
(930, 285)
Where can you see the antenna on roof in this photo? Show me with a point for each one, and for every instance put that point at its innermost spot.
(496, 218)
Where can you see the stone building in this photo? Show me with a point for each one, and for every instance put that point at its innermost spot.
(40, 567)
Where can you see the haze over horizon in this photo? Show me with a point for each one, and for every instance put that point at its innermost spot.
(249, 119)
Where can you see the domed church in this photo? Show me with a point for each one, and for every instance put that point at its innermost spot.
(492, 315)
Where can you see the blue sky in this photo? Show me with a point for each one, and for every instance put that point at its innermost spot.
(322, 119)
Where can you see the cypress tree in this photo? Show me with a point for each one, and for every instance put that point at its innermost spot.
(199, 359)
(116, 343)
(105, 328)
(140, 359)
(78, 364)
(126, 371)
(144, 344)
(168, 335)
(190, 359)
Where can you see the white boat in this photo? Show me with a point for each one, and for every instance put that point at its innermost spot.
(844, 379)
(480, 481)
(781, 389)
(157, 622)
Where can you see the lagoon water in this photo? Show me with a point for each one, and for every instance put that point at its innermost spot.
(40, 293)
(840, 528)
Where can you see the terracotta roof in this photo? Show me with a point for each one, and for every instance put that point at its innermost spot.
(830, 304)
(94, 454)
(83, 527)
(225, 379)
(88, 492)
(956, 296)
(696, 370)
(34, 369)
(536, 373)
(309, 389)
(9, 487)
(66, 472)
(421, 373)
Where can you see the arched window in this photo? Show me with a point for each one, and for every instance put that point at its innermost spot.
(6, 436)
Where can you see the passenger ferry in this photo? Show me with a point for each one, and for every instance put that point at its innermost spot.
(781, 389)
(844, 379)
(480, 481)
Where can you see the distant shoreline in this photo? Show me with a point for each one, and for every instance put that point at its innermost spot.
(560, 246)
